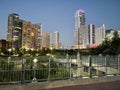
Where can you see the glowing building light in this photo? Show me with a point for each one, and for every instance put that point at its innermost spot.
(32, 34)
(80, 11)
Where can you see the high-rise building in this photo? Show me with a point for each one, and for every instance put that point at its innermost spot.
(46, 39)
(81, 36)
(14, 30)
(103, 32)
(100, 34)
(28, 35)
(91, 35)
(23, 34)
(11, 22)
(31, 35)
(38, 28)
(56, 40)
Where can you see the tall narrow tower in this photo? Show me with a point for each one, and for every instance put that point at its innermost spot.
(81, 35)
(100, 34)
(91, 35)
(56, 39)
(11, 23)
(46, 39)
(14, 30)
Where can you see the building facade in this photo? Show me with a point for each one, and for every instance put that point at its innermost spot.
(81, 33)
(91, 35)
(38, 28)
(28, 35)
(23, 34)
(46, 39)
(100, 35)
(56, 40)
(11, 18)
(14, 30)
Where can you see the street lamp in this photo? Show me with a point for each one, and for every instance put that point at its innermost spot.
(34, 66)
(9, 50)
(31, 52)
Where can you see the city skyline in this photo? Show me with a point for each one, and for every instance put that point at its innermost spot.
(59, 15)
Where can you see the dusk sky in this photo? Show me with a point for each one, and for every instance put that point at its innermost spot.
(59, 15)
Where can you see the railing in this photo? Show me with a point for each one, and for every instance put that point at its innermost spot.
(50, 68)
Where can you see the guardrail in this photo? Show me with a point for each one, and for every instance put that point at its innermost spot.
(46, 68)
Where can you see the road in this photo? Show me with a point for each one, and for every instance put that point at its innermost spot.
(98, 86)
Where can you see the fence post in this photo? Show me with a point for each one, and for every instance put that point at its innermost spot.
(23, 71)
(68, 65)
(107, 65)
(49, 69)
(90, 66)
(79, 66)
(118, 64)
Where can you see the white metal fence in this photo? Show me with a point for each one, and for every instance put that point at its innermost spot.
(22, 70)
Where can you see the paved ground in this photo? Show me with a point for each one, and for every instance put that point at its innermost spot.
(115, 85)
(101, 83)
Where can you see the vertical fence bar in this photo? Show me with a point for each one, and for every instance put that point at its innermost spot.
(106, 65)
(70, 67)
(90, 66)
(49, 68)
(118, 64)
(79, 66)
(23, 71)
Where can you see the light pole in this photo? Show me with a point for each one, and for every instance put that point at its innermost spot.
(31, 52)
(34, 78)
(9, 50)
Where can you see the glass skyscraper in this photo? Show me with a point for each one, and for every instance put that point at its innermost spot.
(81, 36)
(23, 34)
(14, 30)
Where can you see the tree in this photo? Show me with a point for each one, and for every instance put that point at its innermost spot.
(110, 47)
(105, 47)
(115, 44)
(102, 49)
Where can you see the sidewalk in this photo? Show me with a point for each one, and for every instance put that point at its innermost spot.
(101, 83)
(115, 85)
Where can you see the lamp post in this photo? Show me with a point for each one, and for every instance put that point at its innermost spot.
(9, 50)
(31, 52)
(34, 78)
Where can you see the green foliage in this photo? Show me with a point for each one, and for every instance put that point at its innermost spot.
(44, 51)
(29, 62)
(5, 71)
(6, 65)
(8, 72)
(108, 47)
(60, 73)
